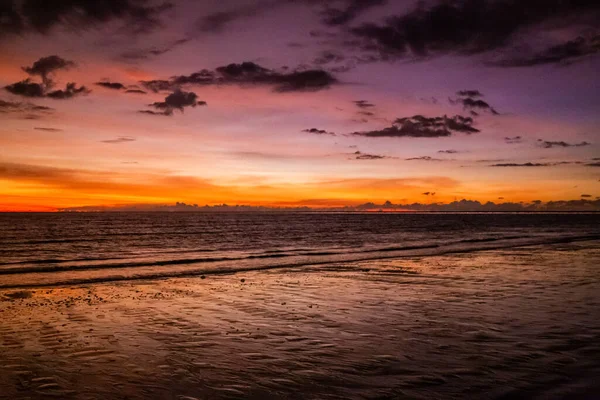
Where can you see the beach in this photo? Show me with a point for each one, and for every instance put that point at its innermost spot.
(520, 322)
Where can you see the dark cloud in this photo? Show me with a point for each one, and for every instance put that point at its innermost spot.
(332, 12)
(153, 51)
(586, 195)
(468, 99)
(469, 93)
(318, 131)
(424, 127)
(219, 21)
(40, 128)
(513, 140)
(366, 113)
(299, 80)
(449, 151)
(329, 57)
(528, 164)
(468, 26)
(111, 85)
(351, 10)
(120, 139)
(177, 100)
(594, 164)
(249, 73)
(150, 112)
(70, 91)
(564, 53)
(363, 104)
(135, 91)
(21, 16)
(428, 194)
(158, 85)
(27, 88)
(550, 144)
(46, 66)
(476, 104)
(424, 158)
(16, 107)
(365, 156)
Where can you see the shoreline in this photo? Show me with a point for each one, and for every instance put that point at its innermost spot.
(185, 271)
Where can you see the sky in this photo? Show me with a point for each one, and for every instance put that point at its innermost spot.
(297, 102)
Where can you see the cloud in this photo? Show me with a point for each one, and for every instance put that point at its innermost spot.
(425, 127)
(564, 53)
(468, 99)
(219, 21)
(48, 65)
(594, 164)
(513, 140)
(39, 128)
(318, 131)
(17, 107)
(153, 51)
(44, 67)
(586, 195)
(21, 16)
(352, 9)
(365, 156)
(424, 158)
(530, 164)
(70, 91)
(366, 113)
(177, 100)
(467, 27)
(249, 73)
(449, 151)
(469, 93)
(363, 104)
(120, 139)
(138, 91)
(111, 85)
(328, 57)
(150, 112)
(550, 144)
(27, 88)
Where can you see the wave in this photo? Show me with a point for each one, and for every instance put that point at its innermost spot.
(351, 255)
(368, 255)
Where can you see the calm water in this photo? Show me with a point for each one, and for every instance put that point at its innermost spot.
(46, 249)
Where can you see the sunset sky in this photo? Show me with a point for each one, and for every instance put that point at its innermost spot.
(297, 102)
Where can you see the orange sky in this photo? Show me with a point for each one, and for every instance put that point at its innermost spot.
(249, 145)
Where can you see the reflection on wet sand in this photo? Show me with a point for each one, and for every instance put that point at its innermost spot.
(493, 324)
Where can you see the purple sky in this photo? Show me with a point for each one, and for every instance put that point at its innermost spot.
(300, 102)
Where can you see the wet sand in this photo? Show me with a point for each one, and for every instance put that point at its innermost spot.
(508, 323)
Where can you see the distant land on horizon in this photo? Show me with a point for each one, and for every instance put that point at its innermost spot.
(456, 206)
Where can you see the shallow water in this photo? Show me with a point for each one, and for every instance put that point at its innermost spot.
(51, 249)
(499, 324)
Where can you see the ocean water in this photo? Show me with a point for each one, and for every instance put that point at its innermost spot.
(38, 249)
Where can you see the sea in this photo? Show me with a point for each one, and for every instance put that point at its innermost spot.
(49, 249)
